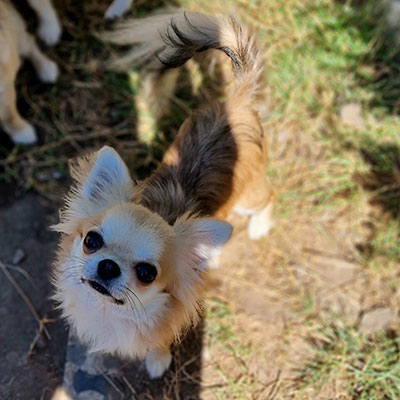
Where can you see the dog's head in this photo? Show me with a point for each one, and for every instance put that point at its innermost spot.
(119, 260)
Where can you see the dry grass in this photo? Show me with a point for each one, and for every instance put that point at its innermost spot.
(284, 318)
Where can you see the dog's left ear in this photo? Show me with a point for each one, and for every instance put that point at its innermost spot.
(199, 239)
(197, 242)
(108, 182)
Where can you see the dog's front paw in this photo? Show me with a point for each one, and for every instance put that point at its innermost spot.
(25, 136)
(117, 9)
(157, 362)
(48, 72)
(50, 31)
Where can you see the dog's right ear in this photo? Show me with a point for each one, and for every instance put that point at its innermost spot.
(103, 180)
(108, 181)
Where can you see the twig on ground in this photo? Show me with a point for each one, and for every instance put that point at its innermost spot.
(25, 298)
(110, 381)
(39, 334)
(130, 387)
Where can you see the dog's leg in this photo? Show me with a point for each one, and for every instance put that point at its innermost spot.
(118, 8)
(49, 25)
(46, 69)
(157, 362)
(260, 222)
(20, 131)
(257, 203)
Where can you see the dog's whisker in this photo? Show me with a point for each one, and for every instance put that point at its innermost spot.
(133, 307)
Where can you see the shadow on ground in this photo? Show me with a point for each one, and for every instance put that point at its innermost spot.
(383, 179)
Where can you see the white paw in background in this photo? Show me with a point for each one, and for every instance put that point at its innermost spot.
(25, 136)
(260, 223)
(157, 363)
(48, 72)
(117, 9)
(50, 31)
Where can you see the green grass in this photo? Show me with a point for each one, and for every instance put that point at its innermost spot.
(367, 368)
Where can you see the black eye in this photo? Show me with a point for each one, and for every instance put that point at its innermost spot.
(145, 272)
(93, 242)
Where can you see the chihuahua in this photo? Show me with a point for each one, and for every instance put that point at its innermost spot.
(16, 42)
(132, 262)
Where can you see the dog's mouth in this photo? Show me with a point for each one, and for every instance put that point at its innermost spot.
(102, 290)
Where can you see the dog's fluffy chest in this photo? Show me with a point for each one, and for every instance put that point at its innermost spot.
(108, 328)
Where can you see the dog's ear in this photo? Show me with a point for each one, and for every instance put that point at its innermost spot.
(102, 180)
(197, 242)
(108, 181)
(199, 239)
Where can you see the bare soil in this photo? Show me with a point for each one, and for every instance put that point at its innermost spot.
(24, 223)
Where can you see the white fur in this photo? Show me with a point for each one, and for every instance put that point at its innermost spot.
(118, 8)
(215, 259)
(157, 363)
(260, 223)
(25, 136)
(48, 72)
(105, 326)
(50, 31)
(49, 27)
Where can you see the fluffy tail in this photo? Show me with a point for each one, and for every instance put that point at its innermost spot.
(169, 40)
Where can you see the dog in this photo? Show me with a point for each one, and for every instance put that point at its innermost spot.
(16, 42)
(132, 262)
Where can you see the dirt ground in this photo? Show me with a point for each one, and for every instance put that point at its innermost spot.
(24, 229)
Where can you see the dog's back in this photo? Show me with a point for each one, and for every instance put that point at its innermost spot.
(218, 158)
(217, 161)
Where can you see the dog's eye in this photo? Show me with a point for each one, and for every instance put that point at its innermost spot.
(93, 242)
(146, 272)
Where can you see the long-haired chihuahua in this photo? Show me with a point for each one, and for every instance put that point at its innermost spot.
(133, 256)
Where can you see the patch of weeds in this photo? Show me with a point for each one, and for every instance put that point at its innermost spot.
(363, 367)
(218, 321)
(385, 244)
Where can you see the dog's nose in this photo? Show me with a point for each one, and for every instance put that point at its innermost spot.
(108, 269)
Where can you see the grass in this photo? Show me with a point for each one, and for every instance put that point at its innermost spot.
(353, 364)
(338, 181)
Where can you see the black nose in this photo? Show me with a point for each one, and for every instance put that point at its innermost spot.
(108, 269)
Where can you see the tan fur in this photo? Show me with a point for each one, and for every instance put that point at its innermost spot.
(16, 42)
(216, 163)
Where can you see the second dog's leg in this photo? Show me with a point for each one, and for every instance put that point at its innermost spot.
(118, 8)
(19, 130)
(46, 69)
(49, 25)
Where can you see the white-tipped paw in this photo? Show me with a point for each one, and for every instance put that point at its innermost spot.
(48, 72)
(50, 32)
(25, 136)
(260, 223)
(117, 9)
(157, 363)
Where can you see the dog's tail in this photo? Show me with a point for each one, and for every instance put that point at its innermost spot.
(169, 40)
